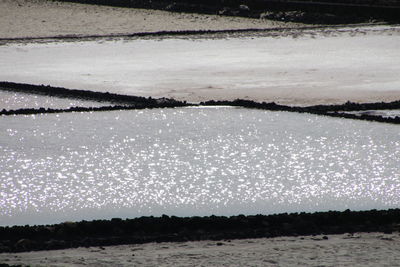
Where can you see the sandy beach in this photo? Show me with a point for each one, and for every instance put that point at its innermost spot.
(360, 249)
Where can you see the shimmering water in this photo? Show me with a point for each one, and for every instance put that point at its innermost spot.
(14, 100)
(192, 161)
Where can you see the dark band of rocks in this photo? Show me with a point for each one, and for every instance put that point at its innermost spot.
(32, 111)
(229, 32)
(135, 102)
(304, 11)
(177, 229)
(81, 94)
(326, 110)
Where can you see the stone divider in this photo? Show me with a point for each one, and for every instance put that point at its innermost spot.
(326, 110)
(317, 12)
(125, 102)
(179, 229)
(79, 94)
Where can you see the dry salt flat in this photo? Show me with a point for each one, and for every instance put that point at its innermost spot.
(360, 249)
(315, 67)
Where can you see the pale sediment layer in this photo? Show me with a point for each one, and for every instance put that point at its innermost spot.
(361, 249)
(280, 73)
(42, 18)
(313, 67)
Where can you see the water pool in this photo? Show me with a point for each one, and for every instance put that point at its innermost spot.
(192, 161)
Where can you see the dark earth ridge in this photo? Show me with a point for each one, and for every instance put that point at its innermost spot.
(325, 110)
(304, 11)
(180, 229)
(79, 94)
(275, 31)
(125, 102)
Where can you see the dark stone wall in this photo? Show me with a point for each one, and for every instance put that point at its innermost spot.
(326, 110)
(119, 101)
(178, 229)
(306, 11)
(74, 93)
(126, 102)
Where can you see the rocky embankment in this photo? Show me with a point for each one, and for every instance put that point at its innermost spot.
(326, 110)
(121, 102)
(176, 229)
(126, 102)
(304, 11)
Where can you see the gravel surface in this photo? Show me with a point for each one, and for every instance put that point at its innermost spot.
(42, 18)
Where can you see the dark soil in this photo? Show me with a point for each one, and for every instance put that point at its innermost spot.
(304, 11)
(177, 229)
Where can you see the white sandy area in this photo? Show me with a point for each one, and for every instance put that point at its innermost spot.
(295, 69)
(314, 67)
(361, 249)
(42, 18)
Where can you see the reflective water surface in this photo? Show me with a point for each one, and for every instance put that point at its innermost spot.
(192, 161)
